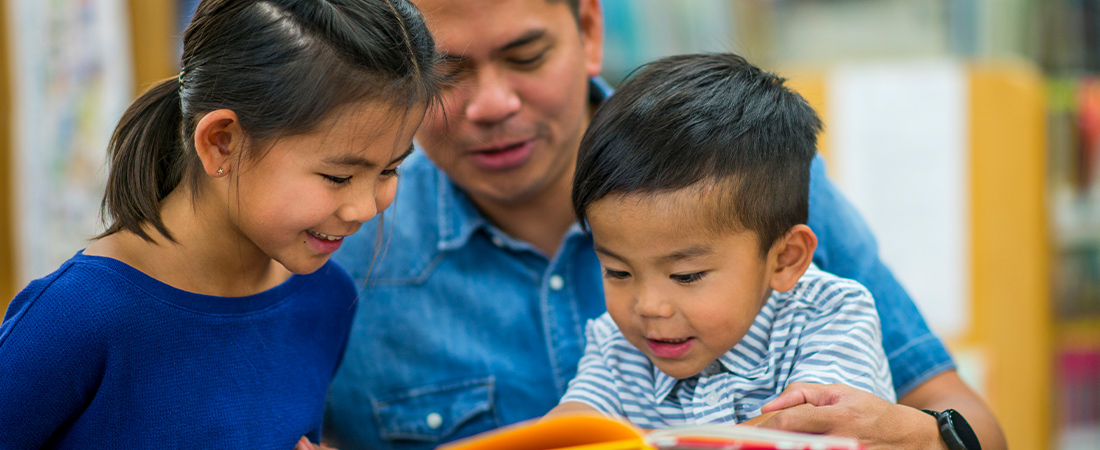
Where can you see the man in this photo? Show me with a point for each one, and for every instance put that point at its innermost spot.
(480, 281)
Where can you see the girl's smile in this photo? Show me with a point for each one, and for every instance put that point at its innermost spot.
(324, 243)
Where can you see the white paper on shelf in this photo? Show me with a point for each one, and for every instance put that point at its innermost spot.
(898, 142)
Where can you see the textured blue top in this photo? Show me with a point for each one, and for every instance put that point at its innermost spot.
(100, 355)
(824, 330)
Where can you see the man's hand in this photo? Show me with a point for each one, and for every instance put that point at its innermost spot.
(842, 410)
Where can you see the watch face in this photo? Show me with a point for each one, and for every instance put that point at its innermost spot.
(962, 429)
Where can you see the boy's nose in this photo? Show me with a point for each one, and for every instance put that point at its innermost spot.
(652, 304)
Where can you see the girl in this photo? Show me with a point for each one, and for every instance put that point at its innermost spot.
(208, 315)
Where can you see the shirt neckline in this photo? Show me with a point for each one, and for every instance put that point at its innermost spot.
(199, 303)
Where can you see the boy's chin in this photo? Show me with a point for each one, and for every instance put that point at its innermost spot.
(679, 371)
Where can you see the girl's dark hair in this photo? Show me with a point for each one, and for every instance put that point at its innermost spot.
(704, 120)
(282, 66)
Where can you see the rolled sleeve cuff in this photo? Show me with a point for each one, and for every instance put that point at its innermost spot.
(917, 362)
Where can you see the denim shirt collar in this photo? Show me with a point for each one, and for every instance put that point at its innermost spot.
(742, 360)
(459, 218)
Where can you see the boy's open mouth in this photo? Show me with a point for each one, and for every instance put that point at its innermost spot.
(670, 348)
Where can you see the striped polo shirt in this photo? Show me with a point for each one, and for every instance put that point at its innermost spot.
(824, 330)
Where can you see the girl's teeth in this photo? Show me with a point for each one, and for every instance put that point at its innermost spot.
(325, 236)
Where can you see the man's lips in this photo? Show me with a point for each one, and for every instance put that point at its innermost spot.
(502, 157)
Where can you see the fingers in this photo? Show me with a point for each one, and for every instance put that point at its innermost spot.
(800, 393)
(304, 444)
(805, 420)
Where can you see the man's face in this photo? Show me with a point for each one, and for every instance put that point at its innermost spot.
(516, 107)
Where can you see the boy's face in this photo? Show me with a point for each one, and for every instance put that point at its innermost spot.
(680, 292)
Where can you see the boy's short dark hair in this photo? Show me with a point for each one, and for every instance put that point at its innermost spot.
(705, 121)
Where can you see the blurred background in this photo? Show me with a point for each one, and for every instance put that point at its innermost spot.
(966, 132)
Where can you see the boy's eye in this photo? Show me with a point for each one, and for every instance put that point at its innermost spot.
(337, 180)
(687, 278)
(615, 274)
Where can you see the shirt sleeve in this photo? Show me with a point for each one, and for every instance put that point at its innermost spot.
(594, 384)
(49, 366)
(847, 248)
(841, 341)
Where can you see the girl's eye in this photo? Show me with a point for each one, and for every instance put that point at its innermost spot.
(337, 180)
(390, 172)
(615, 274)
(688, 278)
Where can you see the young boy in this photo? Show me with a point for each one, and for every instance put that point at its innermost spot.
(694, 182)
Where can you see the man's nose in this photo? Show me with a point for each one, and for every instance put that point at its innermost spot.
(493, 100)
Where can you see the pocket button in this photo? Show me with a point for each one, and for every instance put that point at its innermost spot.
(434, 420)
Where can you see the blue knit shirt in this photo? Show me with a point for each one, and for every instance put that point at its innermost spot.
(100, 355)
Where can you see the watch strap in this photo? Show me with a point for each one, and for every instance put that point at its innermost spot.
(954, 430)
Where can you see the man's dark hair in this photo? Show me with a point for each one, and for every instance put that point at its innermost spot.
(708, 121)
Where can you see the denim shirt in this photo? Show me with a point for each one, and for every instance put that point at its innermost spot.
(462, 328)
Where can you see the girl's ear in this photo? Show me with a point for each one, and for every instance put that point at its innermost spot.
(218, 136)
(792, 255)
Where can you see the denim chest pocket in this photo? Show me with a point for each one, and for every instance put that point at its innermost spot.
(438, 412)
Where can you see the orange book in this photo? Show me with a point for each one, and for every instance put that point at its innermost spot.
(590, 432)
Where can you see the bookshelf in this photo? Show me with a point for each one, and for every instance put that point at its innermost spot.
(8, 286)
(152, 53)
(1007, 338)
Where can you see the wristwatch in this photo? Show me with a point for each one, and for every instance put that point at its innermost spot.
(955, 431)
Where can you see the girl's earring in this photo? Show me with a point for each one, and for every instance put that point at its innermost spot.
(221, 172)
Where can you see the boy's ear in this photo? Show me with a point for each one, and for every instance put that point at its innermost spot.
(218, 136)
(792, 254)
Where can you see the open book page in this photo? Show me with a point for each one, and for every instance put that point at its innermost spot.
(592, 432)
(743, 438)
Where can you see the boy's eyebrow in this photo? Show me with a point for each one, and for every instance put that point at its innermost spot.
(687, 253)
(679, 255)
(348, 160)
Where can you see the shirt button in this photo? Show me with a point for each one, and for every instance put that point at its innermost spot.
(712, 398)
(714, 368)
(434, 420)
(497, 241)
(556, 283)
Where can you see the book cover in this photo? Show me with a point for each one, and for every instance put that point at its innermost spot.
(590, 432)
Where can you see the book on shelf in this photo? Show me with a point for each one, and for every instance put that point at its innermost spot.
(592, 432)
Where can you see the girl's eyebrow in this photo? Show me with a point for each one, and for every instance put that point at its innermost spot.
(349, 160)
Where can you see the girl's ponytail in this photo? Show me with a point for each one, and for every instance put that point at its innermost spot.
(145, 155)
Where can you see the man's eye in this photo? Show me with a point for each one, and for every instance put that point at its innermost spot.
(615, 274)
(687, 278)
(529, 61)
(337, 180)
